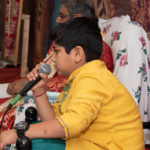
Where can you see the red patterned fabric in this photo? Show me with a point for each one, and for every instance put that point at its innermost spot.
(107, 56)
(2, 100)
(10, 115)
(9, 119)
(11, 15)
(9, 74)
(57, 83)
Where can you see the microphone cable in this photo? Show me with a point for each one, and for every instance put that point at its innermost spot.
(45, 69)
(8, 108)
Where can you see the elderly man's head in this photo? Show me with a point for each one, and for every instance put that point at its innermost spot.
(75, 8)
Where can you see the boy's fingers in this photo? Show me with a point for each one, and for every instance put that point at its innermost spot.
(35, 72)
(31, 76)
(37, 66)
(43, 75)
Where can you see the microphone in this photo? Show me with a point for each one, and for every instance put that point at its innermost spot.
(45, 69)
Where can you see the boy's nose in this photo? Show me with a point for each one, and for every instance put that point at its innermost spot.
(53, 57)
(58, 20)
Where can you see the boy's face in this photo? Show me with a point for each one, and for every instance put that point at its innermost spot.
(64, 62)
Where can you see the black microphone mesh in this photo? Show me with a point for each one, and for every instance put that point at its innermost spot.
(45, 69)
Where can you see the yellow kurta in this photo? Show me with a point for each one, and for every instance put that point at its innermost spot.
(98, 113)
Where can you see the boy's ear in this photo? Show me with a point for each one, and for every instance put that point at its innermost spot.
(79, 54)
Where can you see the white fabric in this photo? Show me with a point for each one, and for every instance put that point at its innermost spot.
(3, 91)
(29, 101)
(131, 55)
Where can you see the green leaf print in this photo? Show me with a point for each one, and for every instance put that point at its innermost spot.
(137, 94)
(140, 70)
(118, 56)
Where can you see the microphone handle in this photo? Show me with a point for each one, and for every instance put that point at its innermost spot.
(29, 86)
(24, 91)
(15, 100)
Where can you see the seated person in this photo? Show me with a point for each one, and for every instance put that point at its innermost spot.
(68, 10)
(130, 49)
(94, 111)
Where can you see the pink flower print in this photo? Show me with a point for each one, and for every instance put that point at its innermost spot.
(142, 40)
(30, 100)
(123, 61)
(148, 63)
(144, 73)
(106, 29)
(115, 36)
(143, 70)
(119, 16)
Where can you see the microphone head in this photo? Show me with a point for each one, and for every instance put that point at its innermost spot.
(45, 69)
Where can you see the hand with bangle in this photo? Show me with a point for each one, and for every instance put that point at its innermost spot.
(39, 94)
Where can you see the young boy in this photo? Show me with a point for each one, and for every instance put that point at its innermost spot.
(95, 111)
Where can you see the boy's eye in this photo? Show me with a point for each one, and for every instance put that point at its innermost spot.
(56, 51)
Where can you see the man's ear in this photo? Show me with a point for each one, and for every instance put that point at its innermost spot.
(77, 15)
(78, 54)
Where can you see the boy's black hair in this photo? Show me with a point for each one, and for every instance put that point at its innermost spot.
(80, 31)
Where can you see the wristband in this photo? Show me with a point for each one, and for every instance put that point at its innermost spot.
(21, 127)
(40, 94)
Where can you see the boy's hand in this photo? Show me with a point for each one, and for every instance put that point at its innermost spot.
(7, 137)
(33, 75)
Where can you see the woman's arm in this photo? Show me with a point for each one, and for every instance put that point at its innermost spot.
(46, 129)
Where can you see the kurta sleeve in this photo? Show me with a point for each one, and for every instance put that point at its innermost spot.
(84, 102)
